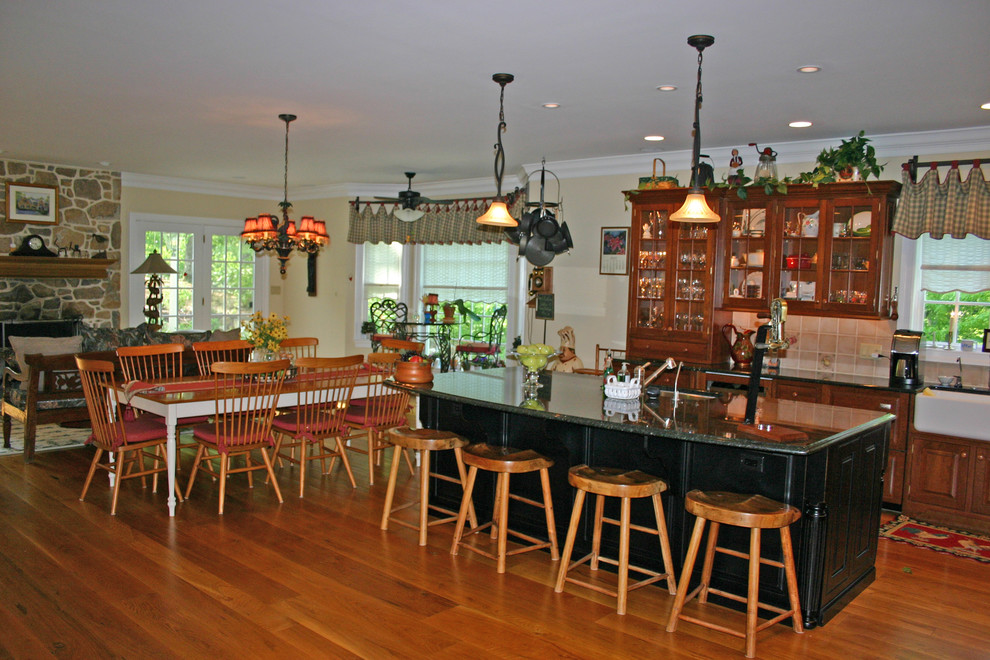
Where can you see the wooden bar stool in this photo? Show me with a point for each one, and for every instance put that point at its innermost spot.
(756, 513)
(505, 461)
(426, 441)
(626, 485)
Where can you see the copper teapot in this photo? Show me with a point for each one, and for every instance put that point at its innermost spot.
(740, 344)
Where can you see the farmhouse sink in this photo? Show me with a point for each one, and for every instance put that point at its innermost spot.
(954, 413)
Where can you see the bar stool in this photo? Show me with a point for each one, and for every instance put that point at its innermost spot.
(505, 461)
(426, 441)
(756, 513)
(626, 485)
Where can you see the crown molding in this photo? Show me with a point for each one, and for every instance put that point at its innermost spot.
(891, 145)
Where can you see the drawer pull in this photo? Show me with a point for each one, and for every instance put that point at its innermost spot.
(885, 406)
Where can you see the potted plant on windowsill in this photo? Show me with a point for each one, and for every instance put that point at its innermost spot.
(852, 160)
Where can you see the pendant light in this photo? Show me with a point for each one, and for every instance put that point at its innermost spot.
(695, 208)
(498, 214)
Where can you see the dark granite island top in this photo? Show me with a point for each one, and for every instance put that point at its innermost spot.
(834, 475)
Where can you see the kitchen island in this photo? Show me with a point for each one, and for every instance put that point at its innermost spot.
(833, 473)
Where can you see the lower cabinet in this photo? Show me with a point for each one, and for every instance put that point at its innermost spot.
(949, 481)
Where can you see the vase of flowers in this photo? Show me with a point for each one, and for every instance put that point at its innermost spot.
(266, 334)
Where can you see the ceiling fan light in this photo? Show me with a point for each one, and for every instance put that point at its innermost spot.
(695, 209)
(497, 215)
(408, 215)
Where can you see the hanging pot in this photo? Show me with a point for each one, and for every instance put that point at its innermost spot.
(537, 252)
(561, 241)
(547, 225)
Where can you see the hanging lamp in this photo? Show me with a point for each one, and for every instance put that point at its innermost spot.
(695, 207)
(497, 214)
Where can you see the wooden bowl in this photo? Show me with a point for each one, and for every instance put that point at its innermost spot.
(413, 372)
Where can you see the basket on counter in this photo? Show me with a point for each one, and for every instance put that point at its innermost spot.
(629, 389)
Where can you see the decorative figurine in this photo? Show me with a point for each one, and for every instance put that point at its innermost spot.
(736, 161)
(568, 360)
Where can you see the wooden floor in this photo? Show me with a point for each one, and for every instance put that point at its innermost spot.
(315, 577)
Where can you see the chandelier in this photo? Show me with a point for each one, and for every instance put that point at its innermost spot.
(498, 214)
(267, 232)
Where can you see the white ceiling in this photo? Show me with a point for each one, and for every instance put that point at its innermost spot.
(192, 89)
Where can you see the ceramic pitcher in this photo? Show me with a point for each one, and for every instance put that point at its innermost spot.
(740, 344)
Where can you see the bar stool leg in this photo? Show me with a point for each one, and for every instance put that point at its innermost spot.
(596, 539)
(548, 509)
(623, 590)
(791, 574)
(706, 571)
(424, 494)
(503, 518)
(569, 541)
(668, 559)
(465, 505)
(390, 491)
(686, 570)
(753, 591)
(462, 474)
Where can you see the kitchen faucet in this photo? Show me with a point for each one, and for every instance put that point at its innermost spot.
(959, 377)
(668, 364)
(775, 341)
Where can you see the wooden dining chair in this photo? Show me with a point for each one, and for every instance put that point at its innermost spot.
(392, 345)
(381, 409)
(208, 352)
(242, 424)
(157, 362)
(601, 352)
(300, 347)
(125, 443)
(325, 388)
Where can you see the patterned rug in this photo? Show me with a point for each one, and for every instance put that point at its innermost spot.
(962, 544)
(48, 437)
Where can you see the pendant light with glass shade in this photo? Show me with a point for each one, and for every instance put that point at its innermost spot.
(497, 214)
(695, 208)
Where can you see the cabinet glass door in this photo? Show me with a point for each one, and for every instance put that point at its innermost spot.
(852, 266)
(652, 269)
(800, 275)
(746, 279)
(692, 270)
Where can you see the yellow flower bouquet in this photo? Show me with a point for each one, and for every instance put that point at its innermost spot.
(266, 333)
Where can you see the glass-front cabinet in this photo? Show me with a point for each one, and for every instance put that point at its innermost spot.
(824, 250)
(672, 287)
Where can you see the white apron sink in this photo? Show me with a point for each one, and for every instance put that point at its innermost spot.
(948, 412)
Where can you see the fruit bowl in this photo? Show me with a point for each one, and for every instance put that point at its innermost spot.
(534, 359)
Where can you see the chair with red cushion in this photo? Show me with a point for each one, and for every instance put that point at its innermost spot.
(325, 387)
(126, 443)
(382, 409)
(242, 424)
(208, 352)
(489, 344)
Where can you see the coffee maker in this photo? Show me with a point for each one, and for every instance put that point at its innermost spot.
(905, 359)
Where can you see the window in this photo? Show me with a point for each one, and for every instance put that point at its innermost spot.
(955, 284)
(481, 276)
(218, 283)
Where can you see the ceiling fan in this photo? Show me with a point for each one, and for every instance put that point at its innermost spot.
(409, 199)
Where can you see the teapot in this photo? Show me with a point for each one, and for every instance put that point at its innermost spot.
(740, 346)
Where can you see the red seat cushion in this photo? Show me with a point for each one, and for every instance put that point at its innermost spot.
(141, 429)
(290, 424)
(207, 433)
(476, 347)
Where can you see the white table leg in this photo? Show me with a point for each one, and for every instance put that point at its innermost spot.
(171, 458)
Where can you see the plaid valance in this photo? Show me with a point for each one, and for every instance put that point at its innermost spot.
(955, 207)
(441, 224)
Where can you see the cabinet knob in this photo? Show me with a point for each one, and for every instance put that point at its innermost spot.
(885, 406)
(979, 457)
(964, 455)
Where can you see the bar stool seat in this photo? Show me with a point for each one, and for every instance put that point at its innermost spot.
(505, 461)
(756, 513)
(425, 441)
(626, 485)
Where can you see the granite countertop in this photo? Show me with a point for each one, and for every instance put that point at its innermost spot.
(809, 375)
(696, 417)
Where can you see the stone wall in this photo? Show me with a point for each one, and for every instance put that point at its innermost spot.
(88, 217)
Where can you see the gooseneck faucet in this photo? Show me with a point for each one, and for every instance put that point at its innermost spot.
(775, 341)
(668, 364)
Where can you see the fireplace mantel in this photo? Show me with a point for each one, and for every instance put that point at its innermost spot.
(54, 267)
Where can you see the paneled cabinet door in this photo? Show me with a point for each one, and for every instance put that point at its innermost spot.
(746, 280)
(981, 480)
(799, 269)
(853, 245)
(939, 471)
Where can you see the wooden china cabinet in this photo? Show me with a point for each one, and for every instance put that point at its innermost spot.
(673, 282)
(825, 250)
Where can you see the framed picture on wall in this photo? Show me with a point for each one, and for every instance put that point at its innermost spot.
(614, 256)
(32, 203)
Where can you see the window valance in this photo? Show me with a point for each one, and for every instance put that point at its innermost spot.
(441, 224)
(955, 207)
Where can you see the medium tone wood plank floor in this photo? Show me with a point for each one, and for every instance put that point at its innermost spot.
(315, 577)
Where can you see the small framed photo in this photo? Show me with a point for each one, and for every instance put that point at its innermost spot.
(32, 202)
(614, 257)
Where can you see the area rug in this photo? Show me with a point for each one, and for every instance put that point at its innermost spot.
(962, 544)
(49, 437)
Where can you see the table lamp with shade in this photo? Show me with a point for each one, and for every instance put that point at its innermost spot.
(154, 266)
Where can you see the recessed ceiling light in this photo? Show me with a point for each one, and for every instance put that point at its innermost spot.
(105, 163)
(809, 68)
(551, 106)
(800, 124)
(653, 138)
(666, 88)
(985, 106)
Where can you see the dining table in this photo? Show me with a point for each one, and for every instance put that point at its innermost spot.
(435, 333)
(195, 396)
